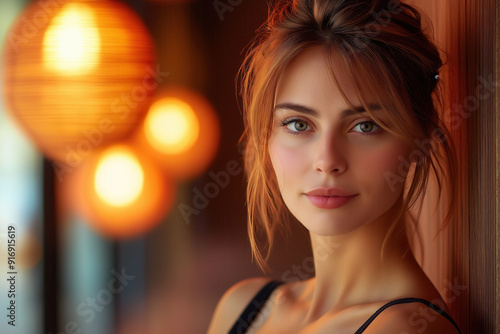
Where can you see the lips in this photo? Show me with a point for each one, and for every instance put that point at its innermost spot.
(329, 198)
(329, 192)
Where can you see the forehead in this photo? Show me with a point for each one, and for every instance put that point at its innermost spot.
(312, 77)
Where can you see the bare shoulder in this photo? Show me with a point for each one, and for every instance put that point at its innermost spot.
(411, 318)
(233, 302)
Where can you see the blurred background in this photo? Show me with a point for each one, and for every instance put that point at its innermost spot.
(122, 206)
(114, 228)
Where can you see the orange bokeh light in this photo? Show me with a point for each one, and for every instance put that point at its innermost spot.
(181, 131)
(118, 178)
(78, 74)
(171, 126)
(121, 192)
(72, 44)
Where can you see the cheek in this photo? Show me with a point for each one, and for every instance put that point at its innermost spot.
(379, 164)
(288, 162)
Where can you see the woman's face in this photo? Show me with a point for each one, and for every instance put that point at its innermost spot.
(332, 163)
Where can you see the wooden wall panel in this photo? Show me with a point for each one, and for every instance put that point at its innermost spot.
(497, 163)
(481, 77)
(466, 254)
(445, 257)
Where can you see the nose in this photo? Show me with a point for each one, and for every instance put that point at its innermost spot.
(330, 157)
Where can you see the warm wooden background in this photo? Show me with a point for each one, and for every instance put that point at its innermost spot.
(466, 253)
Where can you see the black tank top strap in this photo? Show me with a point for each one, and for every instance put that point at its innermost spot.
(257, 303)
(404, 301)
(253, 308)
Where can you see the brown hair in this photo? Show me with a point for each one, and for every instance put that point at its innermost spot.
(380, 41)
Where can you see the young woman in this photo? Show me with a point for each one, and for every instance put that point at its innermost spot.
(342, 132)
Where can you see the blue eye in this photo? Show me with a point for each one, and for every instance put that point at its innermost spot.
(367, 127)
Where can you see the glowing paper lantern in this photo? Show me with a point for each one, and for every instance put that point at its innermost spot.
(78, 74)
(181, 130)
(121, 192)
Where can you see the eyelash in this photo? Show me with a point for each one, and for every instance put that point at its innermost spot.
(371, 133)
(289, 121)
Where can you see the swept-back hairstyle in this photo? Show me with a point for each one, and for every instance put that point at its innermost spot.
(387, 54)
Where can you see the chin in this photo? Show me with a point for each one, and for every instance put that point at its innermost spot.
(330, 227)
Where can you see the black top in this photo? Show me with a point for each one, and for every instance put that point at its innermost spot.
(253, 308)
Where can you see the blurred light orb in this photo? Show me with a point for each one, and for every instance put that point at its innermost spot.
(72, 44)
(78, 74)
(171, 126)
(120, 191)
(119, 178)
(181, 131)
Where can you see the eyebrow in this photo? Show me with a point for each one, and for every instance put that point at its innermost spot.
(309, 111)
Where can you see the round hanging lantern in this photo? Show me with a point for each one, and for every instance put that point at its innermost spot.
(78, 74)
(181, 130)
(121, 192)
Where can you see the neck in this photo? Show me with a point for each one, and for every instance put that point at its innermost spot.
(351, 269)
